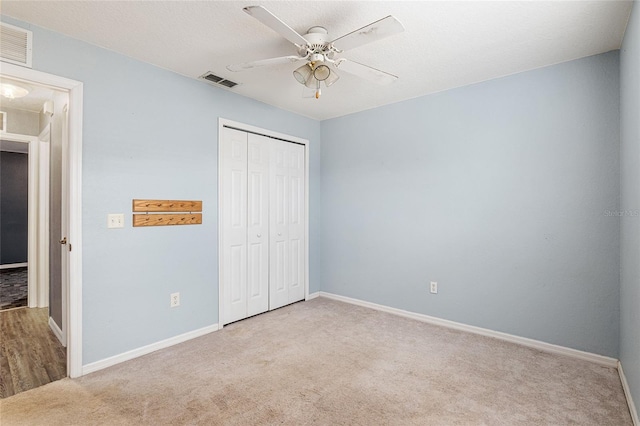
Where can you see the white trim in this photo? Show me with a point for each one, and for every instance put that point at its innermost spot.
(627, 394)
(66, 161)
(32, 220)
(220, 245)
(536, 344)
(74, 293)
(74, 288)
(14, 265)
(313, 295)
(222, 122)
(56, 330)
(43, 216)
(33, 275)
(307, 186)
(144, 350)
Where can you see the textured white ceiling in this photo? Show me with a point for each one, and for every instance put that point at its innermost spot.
(446, 44)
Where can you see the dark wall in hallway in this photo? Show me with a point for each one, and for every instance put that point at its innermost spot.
(14, 181)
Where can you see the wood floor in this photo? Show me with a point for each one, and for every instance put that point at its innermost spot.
(13, 288)
(30, 354)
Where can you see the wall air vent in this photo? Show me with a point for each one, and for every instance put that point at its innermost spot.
(16, 45)
(218, 81)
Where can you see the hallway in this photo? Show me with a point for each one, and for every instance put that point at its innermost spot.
(30, 354)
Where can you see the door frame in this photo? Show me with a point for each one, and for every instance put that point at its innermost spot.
(74, 190)
(44, 158)
(222, 123)
(34, 200)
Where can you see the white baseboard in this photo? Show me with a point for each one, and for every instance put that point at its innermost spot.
(627, 393)
(536, 344)
(135, 353)
(14, 265)
(57, 331)
(313, 295)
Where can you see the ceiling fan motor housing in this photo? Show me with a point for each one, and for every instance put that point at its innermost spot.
(317, 42)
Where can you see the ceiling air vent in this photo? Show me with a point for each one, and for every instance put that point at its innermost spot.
(15, 45)
(219, 81)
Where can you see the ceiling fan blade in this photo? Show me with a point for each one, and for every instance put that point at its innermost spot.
(264, 62)
(273, 22)
(365, 71)
(377, 30)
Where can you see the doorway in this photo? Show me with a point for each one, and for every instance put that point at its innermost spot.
(19, 193)
(68, 248)
(263, 216)
(14, 224)
(33, 331)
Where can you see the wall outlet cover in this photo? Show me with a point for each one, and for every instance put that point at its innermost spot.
(175, 300)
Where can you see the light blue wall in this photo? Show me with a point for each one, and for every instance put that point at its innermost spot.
(630, 204)
(150, 133)
(497, 191)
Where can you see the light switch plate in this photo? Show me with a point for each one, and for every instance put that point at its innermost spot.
(115, 220)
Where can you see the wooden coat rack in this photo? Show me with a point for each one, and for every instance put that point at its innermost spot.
(165, 212)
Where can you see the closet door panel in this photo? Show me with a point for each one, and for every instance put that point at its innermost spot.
(234, 224)
(278, 225)
(296, 223)
(258, 224)
(237, 277)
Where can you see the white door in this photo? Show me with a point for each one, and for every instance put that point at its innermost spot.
(278, 229)
(65, 221)
(262, 224)
(296, 224)
(258, 225)
(233, 210)
(286, 220)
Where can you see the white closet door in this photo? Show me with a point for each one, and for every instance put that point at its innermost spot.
(234, 222)
(286, 256)
(278, 229)
(258, 225)
(296, 228)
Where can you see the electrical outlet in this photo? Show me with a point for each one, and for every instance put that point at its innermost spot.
(175, 300)
(434, 287)
(115, 220)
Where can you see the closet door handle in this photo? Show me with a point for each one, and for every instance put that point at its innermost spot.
(279, 234)
(259, 235)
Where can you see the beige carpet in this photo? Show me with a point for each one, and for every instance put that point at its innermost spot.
(325, 362)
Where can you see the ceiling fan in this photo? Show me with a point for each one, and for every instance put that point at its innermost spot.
(320, 51)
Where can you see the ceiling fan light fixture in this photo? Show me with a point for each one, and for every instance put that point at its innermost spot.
(311, 82)
(303, 73)
(333, 77)
(321, 72)
(12, 91)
